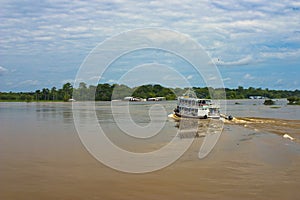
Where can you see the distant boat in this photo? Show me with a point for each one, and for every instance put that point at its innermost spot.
(156, 99)
(195, 108)
(133, 99)
(256, 97)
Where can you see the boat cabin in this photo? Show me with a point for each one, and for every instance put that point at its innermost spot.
(196, 108)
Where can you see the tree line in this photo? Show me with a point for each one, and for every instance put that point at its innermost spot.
(45, 94)
(107, 92)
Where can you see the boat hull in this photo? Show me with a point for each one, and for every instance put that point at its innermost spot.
(177, 116)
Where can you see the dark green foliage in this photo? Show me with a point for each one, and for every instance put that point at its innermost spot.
(121, 91)
(104, 92)
(107, 92)
(268, 102)
(201, 92)
(67, 91)
(293, 100)
(148, 91)
(242, 93)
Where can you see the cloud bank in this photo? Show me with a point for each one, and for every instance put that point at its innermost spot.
(235, 33)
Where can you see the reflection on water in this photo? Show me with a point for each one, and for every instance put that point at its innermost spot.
(114, 125)
(56, 112)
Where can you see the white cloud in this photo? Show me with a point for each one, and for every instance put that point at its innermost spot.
(94, 78)
(226, 79)
(211, 78)
(189, 77)
(221, 25)
(228, 30)
(29, 83)
(44, 38)
(76, 29)
(243, 61)
(279, 81)
(282, 53)
(112, 81)
(2, 70)
(170, 78)
(248, 76)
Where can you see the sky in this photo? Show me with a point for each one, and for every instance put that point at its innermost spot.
(253, 43)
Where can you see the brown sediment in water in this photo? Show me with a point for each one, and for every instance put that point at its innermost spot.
(56, 166)
(42, 157)
(271, 125)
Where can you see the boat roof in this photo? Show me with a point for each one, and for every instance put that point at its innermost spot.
(194, 99)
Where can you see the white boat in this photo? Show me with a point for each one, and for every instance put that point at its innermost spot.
(71, 100)
(133, 99)
(196, 108)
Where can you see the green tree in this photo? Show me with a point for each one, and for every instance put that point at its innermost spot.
(103, 92)
(67, 91)
(53, 93)
(293, 100)
(45, 93)
(37, 95)
(28, 98)
(121, 91)
(82, 92)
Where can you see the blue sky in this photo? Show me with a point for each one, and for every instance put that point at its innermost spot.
(253, 42)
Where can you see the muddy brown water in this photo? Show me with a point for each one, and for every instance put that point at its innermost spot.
(42, 157)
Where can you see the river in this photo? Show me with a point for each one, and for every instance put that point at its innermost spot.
(42, 156)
